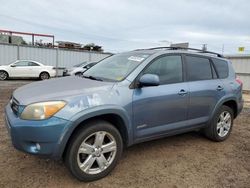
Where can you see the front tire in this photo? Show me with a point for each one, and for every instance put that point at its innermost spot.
(94, 151)
(3, 75)
(221, 125)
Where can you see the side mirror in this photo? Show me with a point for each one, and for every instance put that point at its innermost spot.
(149, 80)
(13, 65)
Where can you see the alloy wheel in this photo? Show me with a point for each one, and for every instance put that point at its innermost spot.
(96, 152)
(44, 76)
(224, 124)
(3, 75)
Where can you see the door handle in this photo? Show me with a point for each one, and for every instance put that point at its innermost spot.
(182, 92)
(219, 88)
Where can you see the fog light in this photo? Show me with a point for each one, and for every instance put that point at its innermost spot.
(38, 147)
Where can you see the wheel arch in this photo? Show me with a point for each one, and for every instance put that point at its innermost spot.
(113, 116)
(233, 105)
(44, 71)
(6, 72)
(231, 102)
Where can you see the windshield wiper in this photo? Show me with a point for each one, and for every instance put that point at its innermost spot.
(93, 78)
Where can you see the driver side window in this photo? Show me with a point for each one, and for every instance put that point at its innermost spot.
(22, 64)
(168, 68)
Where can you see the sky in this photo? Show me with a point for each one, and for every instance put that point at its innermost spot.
(122, 25)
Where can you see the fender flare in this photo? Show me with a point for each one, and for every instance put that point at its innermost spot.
(220, 103)
(91, 113)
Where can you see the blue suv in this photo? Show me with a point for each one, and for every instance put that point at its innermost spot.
(125, 99)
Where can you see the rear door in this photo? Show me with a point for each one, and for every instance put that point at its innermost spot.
(204, 86)
(34, 69)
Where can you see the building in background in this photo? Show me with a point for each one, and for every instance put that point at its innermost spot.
(241, 64)
(11, 39)
(67, 44)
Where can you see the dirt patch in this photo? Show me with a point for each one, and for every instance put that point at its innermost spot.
(187, 160)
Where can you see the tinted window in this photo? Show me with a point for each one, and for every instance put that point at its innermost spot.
(214, 73)
(221, 67)
(198, 68)
(168, 68)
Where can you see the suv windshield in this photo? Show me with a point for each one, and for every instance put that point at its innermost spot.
(116, 67)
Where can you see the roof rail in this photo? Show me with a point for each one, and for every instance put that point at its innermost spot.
(182, 48)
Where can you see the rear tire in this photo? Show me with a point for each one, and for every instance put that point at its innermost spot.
(94, 151)
(3, 75)
(44, 76)
(221, 125)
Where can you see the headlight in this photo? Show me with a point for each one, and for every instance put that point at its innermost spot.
(42, 110)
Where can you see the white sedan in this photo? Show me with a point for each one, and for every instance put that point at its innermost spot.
(26, 69)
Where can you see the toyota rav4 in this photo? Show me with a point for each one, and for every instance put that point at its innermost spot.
(125, 99)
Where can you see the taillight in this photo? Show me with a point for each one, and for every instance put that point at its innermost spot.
(239, 81)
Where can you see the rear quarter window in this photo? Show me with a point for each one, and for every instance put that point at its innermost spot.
(222, 67)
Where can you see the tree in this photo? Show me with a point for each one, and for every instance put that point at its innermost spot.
(92, 47)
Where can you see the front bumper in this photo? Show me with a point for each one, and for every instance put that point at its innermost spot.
(43, 137)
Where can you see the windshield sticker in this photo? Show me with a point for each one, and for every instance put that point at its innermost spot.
(135, 58)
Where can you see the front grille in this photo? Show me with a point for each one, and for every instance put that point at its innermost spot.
(14, 105)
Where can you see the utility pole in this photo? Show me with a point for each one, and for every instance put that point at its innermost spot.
(204, 47)
(222, 49)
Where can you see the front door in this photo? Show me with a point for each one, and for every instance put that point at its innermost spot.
(158, 110)
(19, 69)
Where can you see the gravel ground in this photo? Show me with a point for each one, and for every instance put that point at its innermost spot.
(187, 160)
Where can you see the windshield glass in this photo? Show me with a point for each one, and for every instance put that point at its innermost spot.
(116, 67)
(80, 64)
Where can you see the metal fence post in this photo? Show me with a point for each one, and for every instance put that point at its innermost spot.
(18, 52)
(57, 61)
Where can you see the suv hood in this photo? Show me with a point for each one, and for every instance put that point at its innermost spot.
(59, 89)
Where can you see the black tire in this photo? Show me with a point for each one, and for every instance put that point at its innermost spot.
(211, 131)
(44, 76)
(71, 157)
(3, 75)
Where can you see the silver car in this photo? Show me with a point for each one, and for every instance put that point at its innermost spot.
(78, 69)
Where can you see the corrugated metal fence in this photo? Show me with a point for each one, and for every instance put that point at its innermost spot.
(49, 56)
(241, 64)
(67, 58)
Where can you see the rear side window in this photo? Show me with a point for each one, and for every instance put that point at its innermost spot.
(198, 68)
(33, 64)
(221, 67)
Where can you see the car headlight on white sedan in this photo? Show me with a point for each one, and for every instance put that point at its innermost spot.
(42, 110)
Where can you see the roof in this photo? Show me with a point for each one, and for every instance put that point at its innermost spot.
(181, 50)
